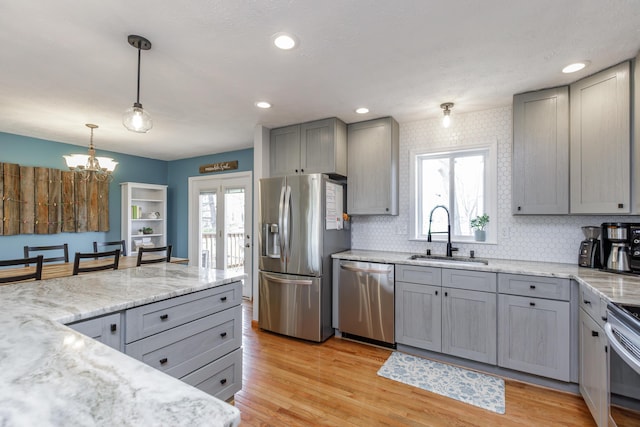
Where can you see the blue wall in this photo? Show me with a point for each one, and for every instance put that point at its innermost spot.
(175, 174)
(178, 197)
(37, 152)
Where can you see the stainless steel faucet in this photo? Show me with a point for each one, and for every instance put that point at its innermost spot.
(450, 249)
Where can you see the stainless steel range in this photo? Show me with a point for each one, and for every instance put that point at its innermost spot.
(623, 335)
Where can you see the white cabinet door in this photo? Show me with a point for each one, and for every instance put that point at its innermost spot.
(105, 329)
(541, 152)
(372, 171)
(418, 315)
(469, 324)
(600, 142)
(593, 368)
(534, 336)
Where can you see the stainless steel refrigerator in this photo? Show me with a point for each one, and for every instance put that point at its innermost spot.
(300, 226)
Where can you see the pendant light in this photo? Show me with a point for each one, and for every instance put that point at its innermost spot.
(446, 107)
(136, 119)
(83, 164)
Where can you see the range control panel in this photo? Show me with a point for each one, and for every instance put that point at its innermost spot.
(634, 243)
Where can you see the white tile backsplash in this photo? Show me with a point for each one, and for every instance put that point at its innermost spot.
(552, 238)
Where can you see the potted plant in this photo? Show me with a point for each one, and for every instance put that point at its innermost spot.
(478, 224)
(147, 230)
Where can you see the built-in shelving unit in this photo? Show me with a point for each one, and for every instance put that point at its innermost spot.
(144, 206)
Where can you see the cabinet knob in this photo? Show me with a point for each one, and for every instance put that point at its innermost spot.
(532, 286)
(604, 318)
(519, 208)
(586, 301)
(223, 334)
(620, 205)
(223, 381)
(296, 170)
(532, 304)
(114, 327)
(301, 170)
(446, 294)
(594, 333)
(164, 316)
(163, 361)
(436, 293)
(223, 299)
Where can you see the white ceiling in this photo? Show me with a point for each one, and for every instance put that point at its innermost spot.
(65, 63)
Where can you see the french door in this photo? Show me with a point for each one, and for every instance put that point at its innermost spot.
(220, 224)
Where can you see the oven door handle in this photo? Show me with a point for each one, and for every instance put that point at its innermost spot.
(624, 354)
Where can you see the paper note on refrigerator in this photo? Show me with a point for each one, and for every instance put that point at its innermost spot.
(333, 204)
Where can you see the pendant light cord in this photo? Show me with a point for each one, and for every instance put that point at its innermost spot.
(138, 93)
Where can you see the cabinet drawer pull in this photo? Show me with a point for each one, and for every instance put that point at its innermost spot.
(604, 318)
(223, 334)
(594, 333)
(436, 293)
(532, 304)
(164, 316)
(223, 381)
(532, 286)
(223, 299)
(446, 294)
(163, 360)
(114, 327)
(586, 301)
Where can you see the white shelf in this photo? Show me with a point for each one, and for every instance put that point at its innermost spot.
(150, 198)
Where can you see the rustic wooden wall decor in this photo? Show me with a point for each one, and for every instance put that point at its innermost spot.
(38, 200)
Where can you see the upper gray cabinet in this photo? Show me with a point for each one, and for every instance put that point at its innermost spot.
(541, 152)
(313, 147)
(372, 179)
(600, 143)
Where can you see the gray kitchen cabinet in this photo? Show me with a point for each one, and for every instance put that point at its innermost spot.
(447, 310)
(593, 354)
(419, 315)
(196, 337)
(314, 147)
(105, 329)
(600, 144)
(541, 152)
(284, 151)
(534, 336)
(469, 324)
(372, 167)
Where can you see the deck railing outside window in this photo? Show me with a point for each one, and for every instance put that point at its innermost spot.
(235, 250)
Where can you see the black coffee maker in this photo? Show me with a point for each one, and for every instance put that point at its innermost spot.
(590, 248)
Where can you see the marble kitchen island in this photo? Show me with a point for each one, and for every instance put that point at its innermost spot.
(54, 376)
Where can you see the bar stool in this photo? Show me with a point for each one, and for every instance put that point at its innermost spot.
(35, 274)
(64, 248)
(113, 265)
(143, 250)
(121, 243)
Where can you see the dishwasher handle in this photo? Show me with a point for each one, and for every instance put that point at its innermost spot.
(354, 269)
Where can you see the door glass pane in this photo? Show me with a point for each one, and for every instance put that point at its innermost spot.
(234, 224)
(208, 209)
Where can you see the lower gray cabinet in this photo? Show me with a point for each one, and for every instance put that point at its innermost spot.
(105, 329)
(418, 315)
(534, 336)
(469, 324)
(593, 368)
(222, 378)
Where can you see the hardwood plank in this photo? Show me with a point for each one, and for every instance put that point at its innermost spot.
(55, 205)
(92, 203)
(41, 177)
(11, 199)
(68, 202)
(2, 220)
(103, 206)
(81, 185)
(27, 200)
(297, 383)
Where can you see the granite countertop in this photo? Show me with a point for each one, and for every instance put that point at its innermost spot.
(618, 288)
(54, 376)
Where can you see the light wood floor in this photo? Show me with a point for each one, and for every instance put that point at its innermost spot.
(288, 382)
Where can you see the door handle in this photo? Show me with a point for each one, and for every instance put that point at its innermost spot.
(364, 270)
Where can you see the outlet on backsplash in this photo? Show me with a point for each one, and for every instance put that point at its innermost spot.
(504, 233)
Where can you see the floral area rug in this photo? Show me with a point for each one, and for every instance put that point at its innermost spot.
(474, 388)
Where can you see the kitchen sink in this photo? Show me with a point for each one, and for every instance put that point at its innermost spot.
(454, 259)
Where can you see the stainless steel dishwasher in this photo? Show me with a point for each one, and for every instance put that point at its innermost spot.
(366, 300)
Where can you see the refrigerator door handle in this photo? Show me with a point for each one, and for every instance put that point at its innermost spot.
(287, 222)
(281, 224)
(305, 282)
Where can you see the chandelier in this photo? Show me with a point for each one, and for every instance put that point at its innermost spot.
(85, 165)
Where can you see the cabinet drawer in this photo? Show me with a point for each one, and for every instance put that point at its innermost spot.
(472, 280)
(153, 318)
(534, 286)
(183, 349)
(222, 378)
(591, 303)
(419, 274)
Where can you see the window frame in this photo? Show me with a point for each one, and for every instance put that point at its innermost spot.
(491, 190)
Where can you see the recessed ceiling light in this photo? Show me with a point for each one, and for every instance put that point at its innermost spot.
(284, 41)
(263, 104)
(362, 110)
(577, 66)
